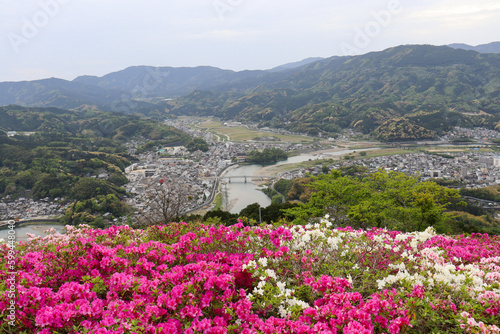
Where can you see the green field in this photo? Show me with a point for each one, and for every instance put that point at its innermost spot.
(218, 202)
(384, 152)
(240, 133)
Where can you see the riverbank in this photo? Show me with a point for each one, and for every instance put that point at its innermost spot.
(231, 204)
(309, 160)
(40, 228)
(239, 192)
(285, 165)
(37, 229)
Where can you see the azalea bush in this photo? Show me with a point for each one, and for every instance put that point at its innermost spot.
(196, 278)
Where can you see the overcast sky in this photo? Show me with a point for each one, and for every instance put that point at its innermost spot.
(68, 38)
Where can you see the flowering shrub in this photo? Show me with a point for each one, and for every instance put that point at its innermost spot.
(194, 278)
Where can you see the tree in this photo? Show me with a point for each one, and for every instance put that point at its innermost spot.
(430, 201)
(86, 211)
(87, 187)
(382, 199)
(269, 214)
(268, 155)
(195, 144)
(277, 199)
(224, 217)
(333, 195)
(251, 211)
(164, 201)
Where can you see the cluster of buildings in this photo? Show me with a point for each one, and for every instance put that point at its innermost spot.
(473, 169)
(26, 208)
(19, 133)
(197, 171)
(479, 135)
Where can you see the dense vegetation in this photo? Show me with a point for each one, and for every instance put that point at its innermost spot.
(196, 144)
(392, 200)
(266, 156)
(253, 214)
(488, 193)
(95, 209)
(87, 126)
(46, 169)
(400, 129)
(75, 155)
(295, 190)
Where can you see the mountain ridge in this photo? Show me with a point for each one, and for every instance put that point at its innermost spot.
(315, 95)
(493, 47)
(365, 91)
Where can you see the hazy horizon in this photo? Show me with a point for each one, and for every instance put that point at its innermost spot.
(65, 38)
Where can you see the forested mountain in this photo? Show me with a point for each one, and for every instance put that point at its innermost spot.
(431, 87)
(166, 82)
(90, 124)
(55, 93)
(135, 89)
(67, 150)
(296, 64)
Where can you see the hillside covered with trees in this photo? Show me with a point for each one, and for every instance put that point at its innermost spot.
(433, 87)
(80, 156)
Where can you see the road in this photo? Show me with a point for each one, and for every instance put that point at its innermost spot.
(213, 193)
(484, 203)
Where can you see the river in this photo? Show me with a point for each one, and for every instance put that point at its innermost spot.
(36, 229)
(238, 194)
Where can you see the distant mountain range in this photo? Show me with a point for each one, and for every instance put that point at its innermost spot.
(290, 66)
(135, 87)
(493, 47)
(418, 90)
